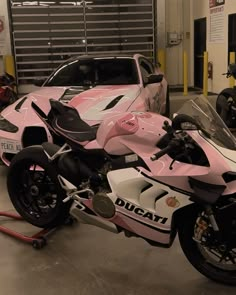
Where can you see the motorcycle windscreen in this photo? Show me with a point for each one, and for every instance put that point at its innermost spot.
(209, 122)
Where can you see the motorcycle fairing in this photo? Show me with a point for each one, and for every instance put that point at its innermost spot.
(144, 206)
(124, 134)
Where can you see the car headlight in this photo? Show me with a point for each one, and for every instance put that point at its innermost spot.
(5, 125)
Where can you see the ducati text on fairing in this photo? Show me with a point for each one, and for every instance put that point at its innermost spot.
(140, 211)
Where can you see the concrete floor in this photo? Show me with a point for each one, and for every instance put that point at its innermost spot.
(84, 260)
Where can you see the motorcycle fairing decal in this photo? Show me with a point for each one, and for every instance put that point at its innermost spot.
(128, 206)
(165, 231)
(86, 207)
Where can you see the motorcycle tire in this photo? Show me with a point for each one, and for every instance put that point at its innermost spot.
(223, 107)
(195, 255)
(34, 189)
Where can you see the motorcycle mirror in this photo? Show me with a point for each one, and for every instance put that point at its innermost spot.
(184, 122)
(168, 128)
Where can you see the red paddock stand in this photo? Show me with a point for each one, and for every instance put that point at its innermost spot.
(38, 240)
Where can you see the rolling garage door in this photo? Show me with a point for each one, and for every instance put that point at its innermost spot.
(44, 33)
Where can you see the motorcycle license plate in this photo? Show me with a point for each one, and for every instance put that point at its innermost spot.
(10, 146)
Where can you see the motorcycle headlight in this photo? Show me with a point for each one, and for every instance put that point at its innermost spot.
(7, 126)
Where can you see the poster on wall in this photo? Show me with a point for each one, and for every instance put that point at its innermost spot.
(216, 25)
(214, 3)
(2, 35)
(2, 28)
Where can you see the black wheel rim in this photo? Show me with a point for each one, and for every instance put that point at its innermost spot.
(38, 196)
(221, 256)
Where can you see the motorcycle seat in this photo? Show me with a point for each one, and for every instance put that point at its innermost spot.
(68, 123)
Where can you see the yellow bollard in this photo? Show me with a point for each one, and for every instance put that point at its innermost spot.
(185, 72)
(231, 61)
(161, 58)
(9, 66)
(205, 74)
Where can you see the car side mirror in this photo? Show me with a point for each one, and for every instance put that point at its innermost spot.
(154, 78)
(39, 82)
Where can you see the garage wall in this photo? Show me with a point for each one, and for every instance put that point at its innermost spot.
(178, 14)
(5, 45)
(177, 20)
(218, 52)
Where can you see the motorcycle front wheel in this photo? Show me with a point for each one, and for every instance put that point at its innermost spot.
(225, 107)
(216, 262)
(34, 189)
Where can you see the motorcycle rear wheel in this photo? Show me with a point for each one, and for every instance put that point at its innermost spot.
(213, 262)
(34, 189)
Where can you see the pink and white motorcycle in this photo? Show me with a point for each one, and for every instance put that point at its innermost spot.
(138, 173)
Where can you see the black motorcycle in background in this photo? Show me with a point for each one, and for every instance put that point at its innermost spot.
(226, 101)
(7, 92)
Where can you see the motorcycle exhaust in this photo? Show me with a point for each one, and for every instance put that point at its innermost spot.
(101, 203)
(86, 218)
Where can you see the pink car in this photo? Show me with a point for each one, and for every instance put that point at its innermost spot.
(97, 87)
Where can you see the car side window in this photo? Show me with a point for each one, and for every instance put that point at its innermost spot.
(146, 69)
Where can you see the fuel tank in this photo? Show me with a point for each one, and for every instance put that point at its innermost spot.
(141, 128)
(136, 135)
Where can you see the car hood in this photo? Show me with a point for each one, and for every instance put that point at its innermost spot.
(21, 112)
(94, 104)
(101, 101)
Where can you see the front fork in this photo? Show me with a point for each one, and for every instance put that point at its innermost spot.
(202, 225)
(209, 213)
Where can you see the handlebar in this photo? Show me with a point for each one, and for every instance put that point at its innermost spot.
(231, 70)
(228, 74)
(174, 143)
(158, 155)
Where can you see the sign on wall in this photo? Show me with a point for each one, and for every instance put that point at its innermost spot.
(216, 26)
(2, 28)
(2, 35)
(214, 3)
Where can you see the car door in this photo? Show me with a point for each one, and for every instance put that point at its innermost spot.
(154, 94)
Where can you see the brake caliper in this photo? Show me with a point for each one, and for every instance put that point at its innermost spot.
(200, 229)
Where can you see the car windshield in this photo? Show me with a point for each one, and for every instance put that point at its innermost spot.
(95, 71)
(209, 121)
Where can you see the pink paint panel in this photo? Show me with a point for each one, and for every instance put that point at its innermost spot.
(141, 229)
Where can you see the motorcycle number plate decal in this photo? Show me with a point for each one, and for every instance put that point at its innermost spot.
(10, 146)
(131, 158)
